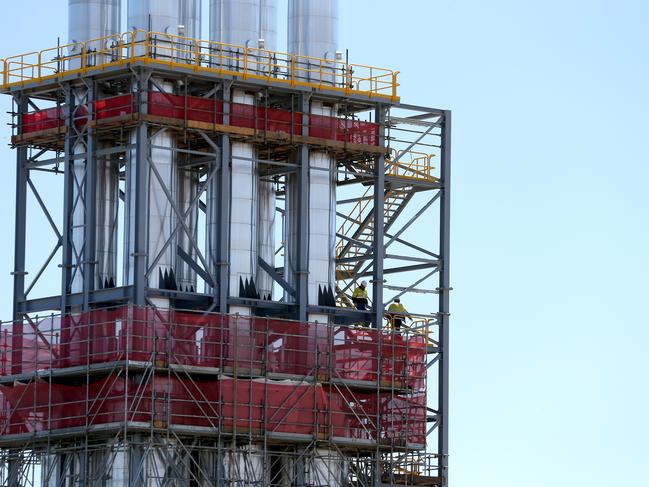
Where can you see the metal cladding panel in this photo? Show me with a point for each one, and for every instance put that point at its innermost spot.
(268, 23)
(322, 219)
(93, 19)
(190, 17)
(154, 15)
(107, 196)
(160, 212)
(244, 22)
(313, 28)
(266, 236)
(243, 216)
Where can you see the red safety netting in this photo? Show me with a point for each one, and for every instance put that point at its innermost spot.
(42, 120)
(235, 344)
(209, 110)
(185, 107)
(343, 130)
(114, 106)
(229, 405)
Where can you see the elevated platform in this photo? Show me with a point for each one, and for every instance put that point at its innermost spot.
(199, 58)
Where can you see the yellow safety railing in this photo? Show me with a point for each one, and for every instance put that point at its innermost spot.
(411, 165)
(199, 55)
(417, 326)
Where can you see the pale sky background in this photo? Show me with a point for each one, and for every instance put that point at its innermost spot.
(550, 332)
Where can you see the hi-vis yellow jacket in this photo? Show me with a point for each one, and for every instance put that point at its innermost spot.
(359, 292)
(398, 308)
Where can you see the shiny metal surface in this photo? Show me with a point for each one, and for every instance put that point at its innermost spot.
(161, 216)
(154, 15)
(243, 209)
(313, 31)
(268, 24)
(190, 17)
(93, 19)
(266, 236)
(322, 220)
(107, 197)
(88, 20)
(177, 17)
(244, 22)
(313, 28)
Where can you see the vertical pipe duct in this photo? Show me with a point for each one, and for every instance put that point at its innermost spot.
(187, 177)
(175, 17)
(244, 23)
(312, 31)
(89, 20)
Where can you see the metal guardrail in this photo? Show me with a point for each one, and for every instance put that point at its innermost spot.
(202, 56)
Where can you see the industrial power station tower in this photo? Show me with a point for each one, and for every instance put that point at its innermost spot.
(219, 209)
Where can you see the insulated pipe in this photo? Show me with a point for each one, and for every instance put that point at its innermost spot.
(245, 23)
(267, 190)
(312, 31)
(313, 28)
(187, 177)
(89, 20)
(175, 17)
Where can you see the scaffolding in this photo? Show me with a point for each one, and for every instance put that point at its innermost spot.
(101, 387)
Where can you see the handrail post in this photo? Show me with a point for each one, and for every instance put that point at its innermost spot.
(245, 62)
(394, 85)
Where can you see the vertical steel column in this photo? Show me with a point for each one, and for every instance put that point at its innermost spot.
(89, 262)
(444, 283)
(302, 271)
(19, 272)
(68, 202)
(224, 212)
(141, 219)
(378, 216)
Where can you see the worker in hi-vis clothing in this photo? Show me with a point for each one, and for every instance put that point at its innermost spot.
(397, 314)
(360, 296)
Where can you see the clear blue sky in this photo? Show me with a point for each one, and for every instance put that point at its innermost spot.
(550, 236)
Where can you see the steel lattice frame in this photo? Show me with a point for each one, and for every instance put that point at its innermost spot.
(54, 152)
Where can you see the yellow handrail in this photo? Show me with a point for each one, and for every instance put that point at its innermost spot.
(199, 55)
(411, 165)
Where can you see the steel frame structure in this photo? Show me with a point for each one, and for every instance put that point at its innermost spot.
(366, 175)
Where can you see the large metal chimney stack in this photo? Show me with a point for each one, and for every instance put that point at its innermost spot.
(175, 17)
(89, 20)
(253, 24)
(313, 32)
(313, 28)
(247, 23)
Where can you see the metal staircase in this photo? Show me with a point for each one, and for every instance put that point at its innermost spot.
(356, 233)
